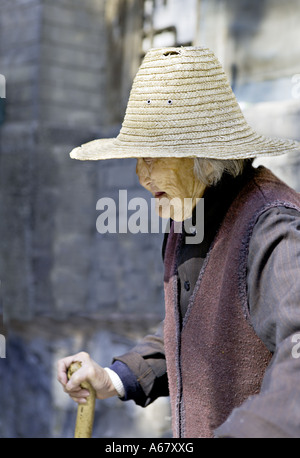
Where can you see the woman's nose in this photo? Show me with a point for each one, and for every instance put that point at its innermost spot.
(142, 172)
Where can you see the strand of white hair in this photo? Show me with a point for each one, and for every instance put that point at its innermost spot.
(210, 171)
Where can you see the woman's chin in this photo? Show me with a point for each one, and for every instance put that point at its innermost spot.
(169, 211)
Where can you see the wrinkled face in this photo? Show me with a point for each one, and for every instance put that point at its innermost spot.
(172, 182)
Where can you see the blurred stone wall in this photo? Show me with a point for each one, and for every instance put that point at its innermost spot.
(69, 66)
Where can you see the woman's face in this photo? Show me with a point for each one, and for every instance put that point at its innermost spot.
(171, 180)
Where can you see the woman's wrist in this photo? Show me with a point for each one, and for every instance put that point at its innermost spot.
(116, 381)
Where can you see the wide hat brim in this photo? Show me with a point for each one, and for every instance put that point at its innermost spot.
(181, 105)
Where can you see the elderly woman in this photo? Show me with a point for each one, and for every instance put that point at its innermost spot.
(225, 351)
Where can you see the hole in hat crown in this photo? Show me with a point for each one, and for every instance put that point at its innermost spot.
(171, 53)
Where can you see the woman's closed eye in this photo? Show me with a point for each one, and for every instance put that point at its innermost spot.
(148, 160)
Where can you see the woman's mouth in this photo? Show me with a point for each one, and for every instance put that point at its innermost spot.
(159, 194)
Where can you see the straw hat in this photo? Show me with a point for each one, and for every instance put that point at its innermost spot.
(181, 105)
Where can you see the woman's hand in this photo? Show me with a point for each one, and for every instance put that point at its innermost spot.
(91, 372)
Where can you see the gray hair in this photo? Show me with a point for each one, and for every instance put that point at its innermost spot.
(210, 171)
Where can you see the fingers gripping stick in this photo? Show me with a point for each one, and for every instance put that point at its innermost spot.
(85, 412)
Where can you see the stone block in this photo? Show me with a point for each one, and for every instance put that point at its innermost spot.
(65, 114)
(74, 57)
(68, 96)
(81, 38)
(22, 74)
(79, 78)
(121, 175)
(20, 14)
(18, 35)
(93, 6)
(72, 16)
(20, 55)
(12, 4)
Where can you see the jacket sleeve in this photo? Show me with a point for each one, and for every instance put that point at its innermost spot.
(143, 370)
(273, 281)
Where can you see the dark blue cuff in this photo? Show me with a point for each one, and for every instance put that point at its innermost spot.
(133, 390)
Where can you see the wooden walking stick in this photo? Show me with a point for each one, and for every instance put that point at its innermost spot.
(85, 412)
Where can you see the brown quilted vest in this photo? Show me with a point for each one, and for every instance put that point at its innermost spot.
(215, 361)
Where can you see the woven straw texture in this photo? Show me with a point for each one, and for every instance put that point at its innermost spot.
(181, 105)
